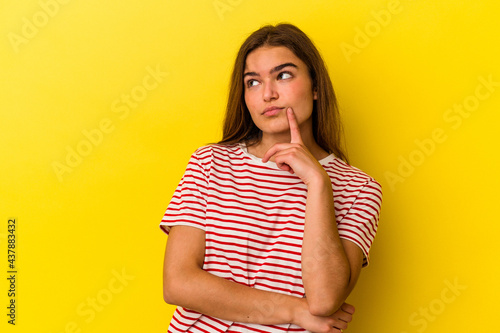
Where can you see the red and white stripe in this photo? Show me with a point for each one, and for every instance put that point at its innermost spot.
(253, 217)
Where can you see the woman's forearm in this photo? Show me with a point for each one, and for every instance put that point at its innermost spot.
(220, 298)
(185, 283)
(325, 267)
(214, 296)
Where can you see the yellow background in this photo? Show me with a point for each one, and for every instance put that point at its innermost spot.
(79, 229)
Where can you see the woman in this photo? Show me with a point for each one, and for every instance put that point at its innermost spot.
(253, 245)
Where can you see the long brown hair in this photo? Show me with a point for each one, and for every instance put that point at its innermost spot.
(327, 128)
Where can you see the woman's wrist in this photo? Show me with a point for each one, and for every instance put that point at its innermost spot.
(298, 308)
(320, 182)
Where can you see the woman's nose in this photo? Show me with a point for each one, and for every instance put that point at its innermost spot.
(270, 91)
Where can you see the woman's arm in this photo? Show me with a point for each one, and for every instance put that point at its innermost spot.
(188, 285)
(330, 267)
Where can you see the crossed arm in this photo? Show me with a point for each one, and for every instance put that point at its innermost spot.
(330, 266)
(188, 285)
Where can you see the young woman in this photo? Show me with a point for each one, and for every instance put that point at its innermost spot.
(269, 228)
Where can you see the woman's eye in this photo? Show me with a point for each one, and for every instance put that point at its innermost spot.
(284, 75)
(251, 83)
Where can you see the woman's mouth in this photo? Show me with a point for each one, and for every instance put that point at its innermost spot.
(272, 111)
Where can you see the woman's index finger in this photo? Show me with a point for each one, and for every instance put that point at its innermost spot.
(295, 136)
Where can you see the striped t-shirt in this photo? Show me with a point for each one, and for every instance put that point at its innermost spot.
(253, 216)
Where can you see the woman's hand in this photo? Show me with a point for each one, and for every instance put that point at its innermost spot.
(294, 157)
(335, 323)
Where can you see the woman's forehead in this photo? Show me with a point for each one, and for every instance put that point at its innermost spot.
(265, 58)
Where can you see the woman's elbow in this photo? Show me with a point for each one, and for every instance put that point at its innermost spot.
(324, 308)
(327, 303)
(168, 297)
(179, 284)
(171, 289)
(167, 293)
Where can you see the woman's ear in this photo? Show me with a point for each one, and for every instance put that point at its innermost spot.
(315, 93)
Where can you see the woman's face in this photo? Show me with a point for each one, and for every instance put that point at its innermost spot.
(274, 79)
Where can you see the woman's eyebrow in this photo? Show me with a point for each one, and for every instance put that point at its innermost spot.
(280, 67)
(275, 69)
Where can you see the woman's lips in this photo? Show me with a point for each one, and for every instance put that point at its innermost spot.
(272, 111)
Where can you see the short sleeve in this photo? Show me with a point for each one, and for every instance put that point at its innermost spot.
(188, 204)
(360, 223)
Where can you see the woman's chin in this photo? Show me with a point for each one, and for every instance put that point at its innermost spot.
(279, 134)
